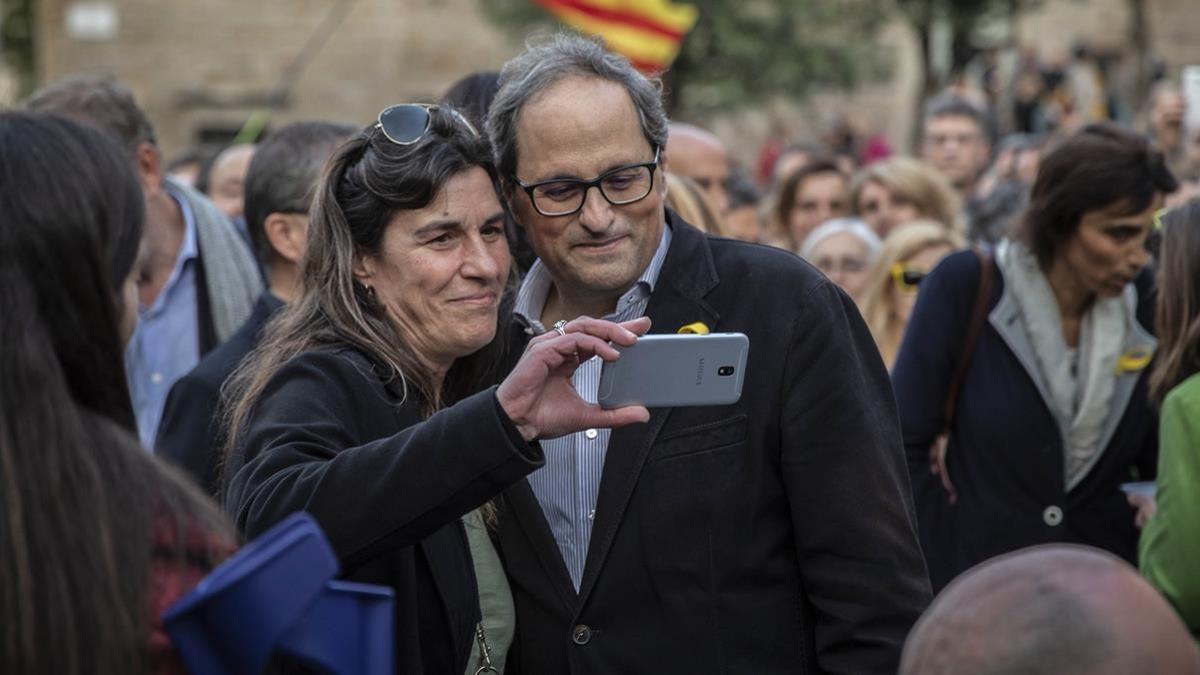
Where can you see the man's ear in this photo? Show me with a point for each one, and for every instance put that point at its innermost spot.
(662, 170)
(287, 233)
(148, 161)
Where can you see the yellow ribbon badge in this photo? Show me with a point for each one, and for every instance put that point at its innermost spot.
(1134, 360)
(697, 328)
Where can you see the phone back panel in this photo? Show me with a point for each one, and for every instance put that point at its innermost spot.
(676, 370)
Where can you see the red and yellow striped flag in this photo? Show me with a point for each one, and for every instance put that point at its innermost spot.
(647, 32)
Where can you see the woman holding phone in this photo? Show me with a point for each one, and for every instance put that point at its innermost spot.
(368, 402)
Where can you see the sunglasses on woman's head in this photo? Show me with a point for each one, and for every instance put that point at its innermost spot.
(407, 123)
(907, 276)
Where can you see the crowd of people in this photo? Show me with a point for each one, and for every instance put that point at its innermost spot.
(966, 369)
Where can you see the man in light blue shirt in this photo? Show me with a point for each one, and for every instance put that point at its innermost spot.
(166, 344)
(197, 279)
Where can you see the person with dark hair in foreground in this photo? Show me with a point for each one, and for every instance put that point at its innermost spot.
(97, 538)
(1056, 609)
(367, 403)
(1052, 415)
(772, 535)
(279, 186)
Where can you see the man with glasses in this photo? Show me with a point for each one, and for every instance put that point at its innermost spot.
(772, 535)
(956, 138)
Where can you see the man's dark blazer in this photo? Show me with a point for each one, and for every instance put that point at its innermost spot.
(775, 535)
(188, 433)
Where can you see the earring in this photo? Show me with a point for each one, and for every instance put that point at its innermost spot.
(371, 295)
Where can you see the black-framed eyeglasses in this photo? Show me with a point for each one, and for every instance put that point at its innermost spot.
(407, 123)
(619, 186)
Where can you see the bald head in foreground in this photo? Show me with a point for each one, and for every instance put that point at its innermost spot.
(1050, 610)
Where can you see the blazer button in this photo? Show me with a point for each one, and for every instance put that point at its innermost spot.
(581, 635)
(1052, 516)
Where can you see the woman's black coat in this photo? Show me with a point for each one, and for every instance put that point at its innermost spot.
(329, 437)
(1006, 451)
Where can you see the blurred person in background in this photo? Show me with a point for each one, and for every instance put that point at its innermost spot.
(844, 250)
(698, 154)
(899, 190)
(279, 187)
(1164, 118)
(810, 196)
(742, 220)
(197, 279)
(97, 538)
(793, 158)
(686, 198)
(472, 96)
(367, 402)
(226, 184)
(1003, 192)
(1052, 415)
(187, 165)
(1170, 544)
(907, 256)
(956, 139)
(1056, 609)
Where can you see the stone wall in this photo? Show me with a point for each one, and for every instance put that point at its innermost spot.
(199, 66)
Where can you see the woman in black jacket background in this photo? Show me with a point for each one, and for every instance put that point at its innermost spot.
(1052, 415)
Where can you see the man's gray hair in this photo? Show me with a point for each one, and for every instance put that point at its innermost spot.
(99, 102)
(543, 65)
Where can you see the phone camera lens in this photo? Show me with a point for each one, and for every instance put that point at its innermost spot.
(725, 371)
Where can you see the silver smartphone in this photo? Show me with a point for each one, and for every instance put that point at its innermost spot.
(676, 370)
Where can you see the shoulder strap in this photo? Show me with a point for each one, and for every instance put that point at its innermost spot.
(978, 313)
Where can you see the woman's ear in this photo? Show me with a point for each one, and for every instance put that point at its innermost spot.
(363, 268)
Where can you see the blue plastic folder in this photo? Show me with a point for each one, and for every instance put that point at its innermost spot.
(277, 596)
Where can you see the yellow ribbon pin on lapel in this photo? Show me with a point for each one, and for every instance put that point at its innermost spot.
(1134, 360)
(697, 328)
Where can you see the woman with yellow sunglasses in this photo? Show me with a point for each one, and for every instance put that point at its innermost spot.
(908, 254)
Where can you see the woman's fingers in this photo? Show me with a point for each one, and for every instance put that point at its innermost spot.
(617, 417)
(639, 326)
(606, 330)
(624, 333)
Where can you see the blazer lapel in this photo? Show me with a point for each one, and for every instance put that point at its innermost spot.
(687, 275)
(524, 509)
(1137, 341)
(527, 513)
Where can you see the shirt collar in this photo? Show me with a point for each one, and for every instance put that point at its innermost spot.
(531, 298)
(189, 249)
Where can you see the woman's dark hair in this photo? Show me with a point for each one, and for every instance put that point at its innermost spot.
(473, 95)
(366, 182)
(82, 501)
(1102, 166)
(1177, 317)
(73, 222)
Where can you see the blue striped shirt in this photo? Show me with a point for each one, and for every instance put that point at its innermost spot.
(566, 487)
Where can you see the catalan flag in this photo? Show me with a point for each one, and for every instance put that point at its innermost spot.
(647, 32)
